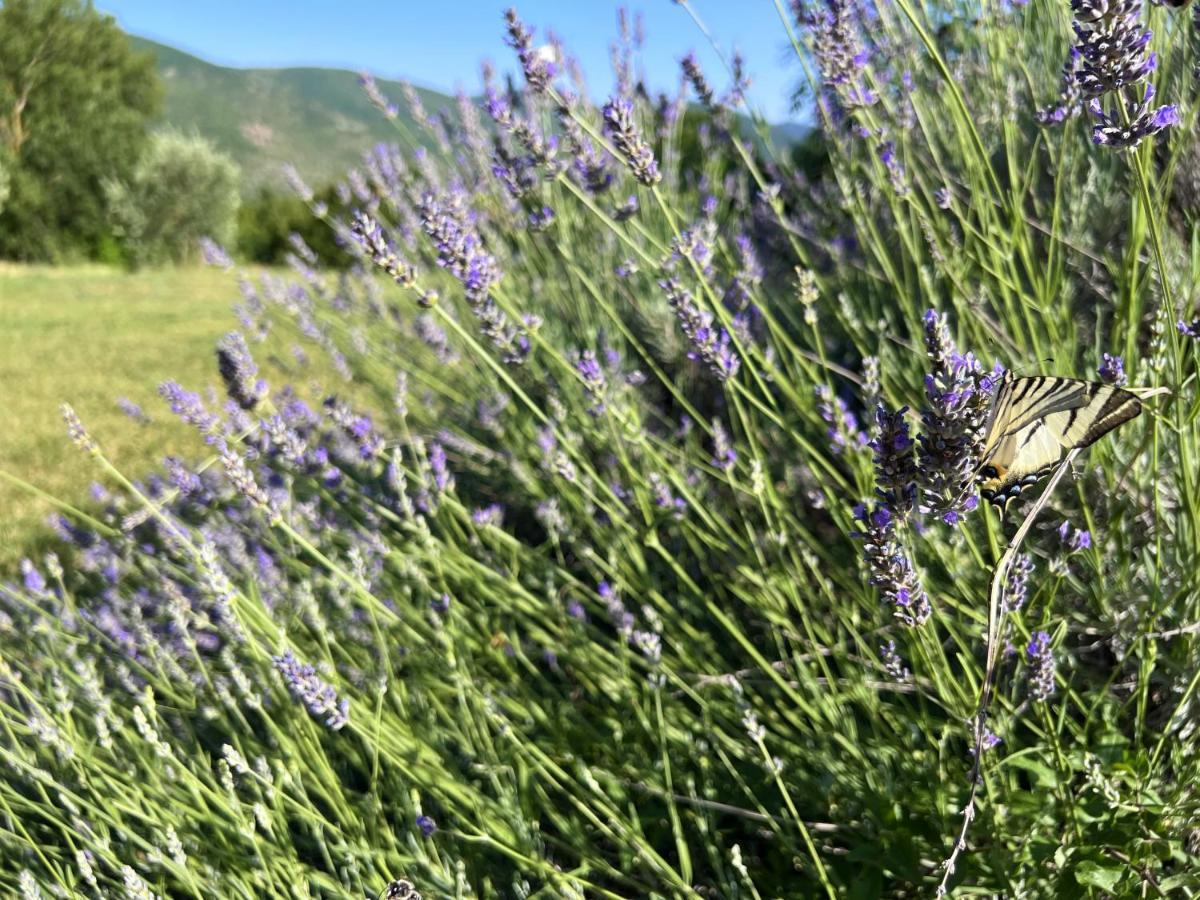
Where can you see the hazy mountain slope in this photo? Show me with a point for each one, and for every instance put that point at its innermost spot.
(317, 119)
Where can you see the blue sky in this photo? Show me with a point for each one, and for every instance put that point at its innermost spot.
(440, 44)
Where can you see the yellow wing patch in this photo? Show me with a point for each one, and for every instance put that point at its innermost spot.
(1036, 420)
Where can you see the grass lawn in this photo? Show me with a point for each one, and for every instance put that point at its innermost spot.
(88, 335)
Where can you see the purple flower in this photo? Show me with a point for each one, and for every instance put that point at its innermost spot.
(380, 249)
(184, 479)
(541, 219)
(450, 224)
(695, 76)
(539, 64)
(488, 515)
(627, 209)
(442, 479)
(838, 48)
(594, 381)
(895, 461)
(190, 408)
(297, 183)
(843, 428)
(239, 371)
(990, 741)
(1112, 45)
(1193, 330)
(389, 109)
(214, 254)
(1016, 583)
(307, 686)
(576, 611)
(133, 410)
(1075, 540)
(958, 395)
(241, 478)
(1041, 666)
(32, 578)
(712, 346)
(1070, 101)
(664, 499)
(1113, 130)
(724, 455)
(1112, 370)
(887, 156)
(892, 663)
(695, 244)
(748, 275)
(1109, 57)
(622, 129)
(890, 568)
(426, 825)
(76, 432)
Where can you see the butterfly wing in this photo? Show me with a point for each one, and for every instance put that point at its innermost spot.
(1035, 420)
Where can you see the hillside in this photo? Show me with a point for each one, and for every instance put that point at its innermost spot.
(317, 119)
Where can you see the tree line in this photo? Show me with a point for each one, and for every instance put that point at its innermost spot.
(87, 172)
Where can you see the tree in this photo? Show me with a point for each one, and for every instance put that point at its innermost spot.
(3, 181)
(75, 100)
(182, 189)
(267, 221)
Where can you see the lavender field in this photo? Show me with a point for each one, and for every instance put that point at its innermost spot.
(631, 545)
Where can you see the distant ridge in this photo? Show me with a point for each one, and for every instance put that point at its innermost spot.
(319, 120)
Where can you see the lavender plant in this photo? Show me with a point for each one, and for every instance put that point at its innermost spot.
(554, 586)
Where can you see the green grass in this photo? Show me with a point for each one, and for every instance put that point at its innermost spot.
(88, 335)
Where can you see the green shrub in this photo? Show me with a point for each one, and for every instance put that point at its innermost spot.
(181, 190)
(267, 221)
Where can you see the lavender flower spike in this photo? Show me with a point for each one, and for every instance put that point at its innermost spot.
(891, 569)
(838, 48)
(1112, 370)
(1016, 583)
(76, 432)
(451, 224)
(1110, 53)
(538, 63)
(1041, 666)
(239, 371)
(214, 254)
(895, 461)
(620, 126)
(958, 395)
(712, 346)
(594, 382)
(308, 687)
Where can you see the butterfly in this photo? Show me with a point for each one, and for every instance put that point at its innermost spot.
(1035, 420)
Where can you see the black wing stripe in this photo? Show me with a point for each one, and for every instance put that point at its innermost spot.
(1042, 396)
(1119, 408)
(1030, 435)
(1025, 385)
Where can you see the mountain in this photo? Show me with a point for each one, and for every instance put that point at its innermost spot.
(319, 120)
